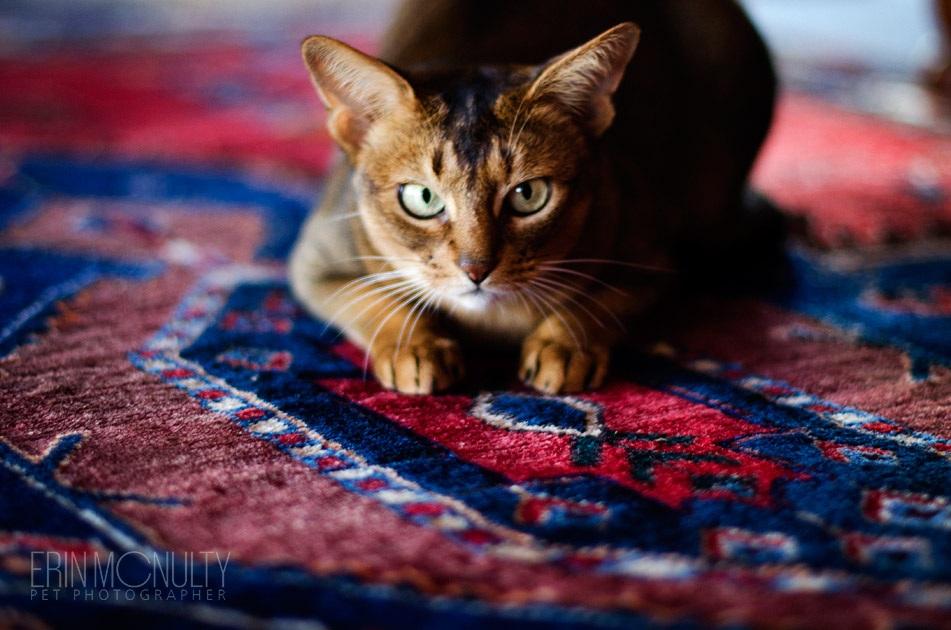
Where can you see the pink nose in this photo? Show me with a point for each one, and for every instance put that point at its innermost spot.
(477, 270)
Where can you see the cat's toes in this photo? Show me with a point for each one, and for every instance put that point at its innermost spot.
(554, 367)
(426, 367)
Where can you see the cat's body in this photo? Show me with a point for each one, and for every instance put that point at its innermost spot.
(476, 117)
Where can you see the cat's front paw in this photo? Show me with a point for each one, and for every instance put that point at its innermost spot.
(557, 367)
(425, 366)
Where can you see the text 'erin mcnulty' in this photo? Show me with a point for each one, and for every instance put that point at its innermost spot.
(104, 576)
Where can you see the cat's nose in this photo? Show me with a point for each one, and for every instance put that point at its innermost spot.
(477, 270)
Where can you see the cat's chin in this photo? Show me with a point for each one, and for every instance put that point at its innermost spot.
(477, 301)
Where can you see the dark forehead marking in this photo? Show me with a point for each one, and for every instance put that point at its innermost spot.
(437, 161)
(507, 160)
(464, 102)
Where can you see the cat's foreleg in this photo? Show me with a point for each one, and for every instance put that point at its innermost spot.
(388, 320)
(570, 349)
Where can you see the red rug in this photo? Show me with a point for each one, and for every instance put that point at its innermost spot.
(180, 446)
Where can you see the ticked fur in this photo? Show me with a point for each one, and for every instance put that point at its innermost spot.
(560, 280)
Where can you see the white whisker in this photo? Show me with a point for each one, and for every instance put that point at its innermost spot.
(537, 295)
(432, 294)
(605, 261)
(387, 291)
(541, 312)
(383, 258)
(548, 299)
(552, 282)
(399, 339)
(586, 276)
(401, 303)
(522, 128)
(366, 285)
(342, 217)
(524, 302)
(518, 111)
(565, 295)
(372, 278)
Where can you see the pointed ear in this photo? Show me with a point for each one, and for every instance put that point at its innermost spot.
(356, 88)
(584, 79)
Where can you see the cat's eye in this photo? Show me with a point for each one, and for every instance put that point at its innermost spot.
(529, 197)
(420, 202)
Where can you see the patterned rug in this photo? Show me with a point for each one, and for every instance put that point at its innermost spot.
(181, 446)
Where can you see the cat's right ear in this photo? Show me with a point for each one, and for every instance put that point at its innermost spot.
(357, 89)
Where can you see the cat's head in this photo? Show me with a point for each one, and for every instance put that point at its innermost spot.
(466, 179)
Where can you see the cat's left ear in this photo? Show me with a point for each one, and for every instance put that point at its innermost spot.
(357, 89)
(584, 79)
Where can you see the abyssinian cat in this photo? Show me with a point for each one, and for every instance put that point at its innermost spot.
(526, 171)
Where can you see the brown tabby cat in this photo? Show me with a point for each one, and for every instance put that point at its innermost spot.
(490, 194)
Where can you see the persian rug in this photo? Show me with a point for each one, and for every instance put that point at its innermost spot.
(181, 446)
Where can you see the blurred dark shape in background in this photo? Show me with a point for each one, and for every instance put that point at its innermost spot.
(941, 76)
(876, 55)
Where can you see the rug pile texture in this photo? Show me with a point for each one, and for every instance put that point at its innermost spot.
(182, 446)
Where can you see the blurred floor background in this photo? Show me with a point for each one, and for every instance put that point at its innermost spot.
(867, 54)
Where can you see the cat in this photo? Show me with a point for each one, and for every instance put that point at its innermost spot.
(527, 172)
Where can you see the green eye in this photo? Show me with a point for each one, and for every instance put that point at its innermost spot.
(529, 197)
(420, 202)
